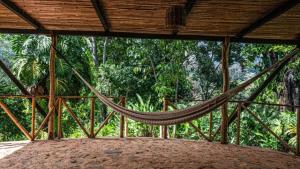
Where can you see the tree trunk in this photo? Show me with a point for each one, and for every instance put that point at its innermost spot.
(94, 51)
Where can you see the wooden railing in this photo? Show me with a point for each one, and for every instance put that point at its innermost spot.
(61, 101)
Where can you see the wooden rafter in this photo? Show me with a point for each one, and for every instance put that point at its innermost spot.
(270, 16)
(189, 6)
(101, 15)
(21, 13)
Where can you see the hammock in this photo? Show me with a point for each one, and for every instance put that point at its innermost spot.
(183, 115)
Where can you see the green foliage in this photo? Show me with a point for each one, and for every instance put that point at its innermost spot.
(146, 71)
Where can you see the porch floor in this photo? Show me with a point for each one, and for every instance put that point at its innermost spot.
(140, 153)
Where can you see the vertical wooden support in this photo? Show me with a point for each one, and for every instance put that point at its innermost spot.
(165, 127)
(52, 86)
(298, 132)
(33, 118)
(225, 72)
(210, 125)
(122, 118)
(238, 124)
(92, 118)
(126, 127)
(59, 114)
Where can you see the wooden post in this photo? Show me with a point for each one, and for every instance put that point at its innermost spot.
(298, 132)
(225, 71)
(238, 124)
(126, 127)
(122, 118)
(33, 119)
(92, 118)
(165, 127)
(52, 86)
(210, 125)
(59, 114)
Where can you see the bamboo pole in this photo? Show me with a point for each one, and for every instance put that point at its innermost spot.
(92, 118)
(52, 86)
(59, 115)
(126, 127)
(238, 124)
(225, 72)
(122, 120)
(75, 118)
(33, 118)
(298, 132)
(15, 120)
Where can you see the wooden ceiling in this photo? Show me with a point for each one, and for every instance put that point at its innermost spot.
(266, 21)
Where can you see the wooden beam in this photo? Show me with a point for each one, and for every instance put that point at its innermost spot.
(199, 131)
(189, 6)
(270, 16)
(15, 120)
(225, 72)
(22, 14)
(75, 118)
(14, 79)
(52, 86)
(101, 14)
(150, 36)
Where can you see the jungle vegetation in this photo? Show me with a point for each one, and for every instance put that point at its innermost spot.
(145, 72)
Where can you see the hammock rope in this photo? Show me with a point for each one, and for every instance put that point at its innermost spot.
(183, 115)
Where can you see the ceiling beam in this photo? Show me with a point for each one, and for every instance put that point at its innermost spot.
(22, 14)
(187, 9)
(101, 15)
(151, 36)
(189, 6)
(270, 16)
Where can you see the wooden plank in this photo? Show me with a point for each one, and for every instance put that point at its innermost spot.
(104, 123)
(52, 85)
(92, 118)
(15, 120)
(33, 118)
(225, 72)
(75, 118)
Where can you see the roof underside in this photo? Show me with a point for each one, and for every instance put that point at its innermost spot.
(274, 21)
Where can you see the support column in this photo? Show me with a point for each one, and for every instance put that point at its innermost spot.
(298, 132)
(33, 118)
(92, 117)
(122, 118)
(164, 129)
(225, 72)
(52, 86)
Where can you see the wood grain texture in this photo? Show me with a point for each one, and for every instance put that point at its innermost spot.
(218, 18)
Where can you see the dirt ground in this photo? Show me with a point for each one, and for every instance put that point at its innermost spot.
(143, 153)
